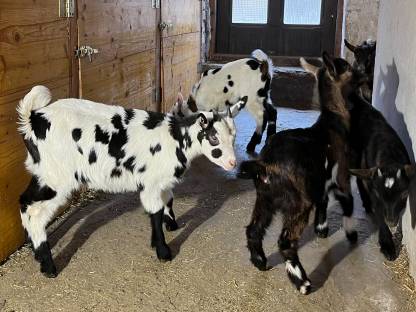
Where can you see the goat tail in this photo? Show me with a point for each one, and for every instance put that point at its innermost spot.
(265, 61)
(38, 97)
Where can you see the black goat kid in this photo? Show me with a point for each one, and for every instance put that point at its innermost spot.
(385, 170)
(290, 176)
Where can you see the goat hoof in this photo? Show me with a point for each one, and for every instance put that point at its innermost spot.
(49, 272)
(170, 224)
(322, 233)
(163, 253)
(250, 148)
(389, 253)
(305, 288)
(352, 237)
(260, 263)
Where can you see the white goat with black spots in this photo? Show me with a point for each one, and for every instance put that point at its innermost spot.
(221, 87)
(73, 142)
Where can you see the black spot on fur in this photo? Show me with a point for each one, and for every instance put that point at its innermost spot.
(155, 149)
(76, 176)
(227, 103)
(80, 150)
(84, 179)
(179, 170)
(216, 153)
(154, 120)
(118, 140)
(206, 73)
(39, 125)
(128, 116)
(115, 173)
(216, 70)
(92, 158)
(254, 65)
(231, 83)
(142, 169)
(175, 131)
(140, 187)
(76, 134)
(101, 136)
(225, 90)
(262, 92)
(229, 76)
(33, 150)
(34, 192)
(129, 164)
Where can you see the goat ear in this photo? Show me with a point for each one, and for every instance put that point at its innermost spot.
(253, 169)
(363, 173)
(350, 47)
(410, 170)
(329, 63)
(179, 100)
(309, 68)
(192, 104)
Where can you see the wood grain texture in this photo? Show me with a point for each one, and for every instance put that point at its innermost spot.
(124, 71)
(180, 49)
(33, 50)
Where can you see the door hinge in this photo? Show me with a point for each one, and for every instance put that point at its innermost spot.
(155, 4)
(66, 8)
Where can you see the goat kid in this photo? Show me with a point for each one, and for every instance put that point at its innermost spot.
(221, 87)
(290, 177)
(384, 173)
(73, 142)
(365, 58)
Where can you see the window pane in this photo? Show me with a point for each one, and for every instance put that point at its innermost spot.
(302, 12)
(250, 11)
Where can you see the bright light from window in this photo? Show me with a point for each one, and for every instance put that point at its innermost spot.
(302, 12)
(250, 11)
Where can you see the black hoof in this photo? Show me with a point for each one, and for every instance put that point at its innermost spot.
(163, 253)
(170, 224)
(49, 271)
(250, 148)
(259, 262)
(352, 237)
(389, 253)
(322, 233)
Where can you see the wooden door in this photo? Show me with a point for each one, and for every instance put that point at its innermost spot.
(279, 27)
(180, 48)
(34, 49)
(124, 72)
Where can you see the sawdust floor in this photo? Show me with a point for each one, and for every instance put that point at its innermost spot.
(106, 264)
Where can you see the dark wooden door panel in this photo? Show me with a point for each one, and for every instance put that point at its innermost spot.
(275, 37)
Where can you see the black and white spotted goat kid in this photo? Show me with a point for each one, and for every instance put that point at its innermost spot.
(73, 142)
(221, 87)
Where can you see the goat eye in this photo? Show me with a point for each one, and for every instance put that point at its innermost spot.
(213, 140)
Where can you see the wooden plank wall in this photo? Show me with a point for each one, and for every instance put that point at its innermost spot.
(33, 50)
(180, 48)
(124, 71)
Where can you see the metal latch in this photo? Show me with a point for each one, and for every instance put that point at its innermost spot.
(66, 8)
(84, 51)
(164, 25)
(155, 4)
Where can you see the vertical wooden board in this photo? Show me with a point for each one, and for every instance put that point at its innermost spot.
(33, 50)
(128, 81)
(181, 55)
(184, 15)
(124, 70)
(180, 48)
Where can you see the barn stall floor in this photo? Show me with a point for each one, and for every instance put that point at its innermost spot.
(106, 264)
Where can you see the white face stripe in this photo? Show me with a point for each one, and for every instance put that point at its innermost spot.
(389, 182)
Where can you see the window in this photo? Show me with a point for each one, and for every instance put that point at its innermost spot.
(250, 11)
(302, 12)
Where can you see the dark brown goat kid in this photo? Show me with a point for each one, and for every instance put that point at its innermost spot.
(290, 174)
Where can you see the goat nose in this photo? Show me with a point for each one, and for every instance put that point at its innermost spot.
(232, 162)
